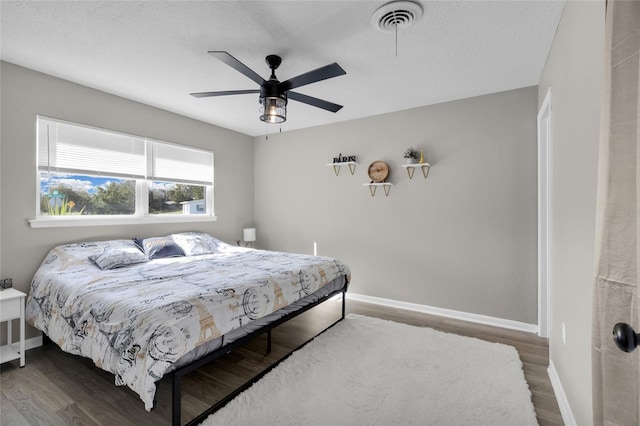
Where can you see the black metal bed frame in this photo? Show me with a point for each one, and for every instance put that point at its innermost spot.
(178, 374)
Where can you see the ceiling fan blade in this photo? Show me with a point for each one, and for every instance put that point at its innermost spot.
(237, 65)
(310, 100)
(224, 93)
(322, 73)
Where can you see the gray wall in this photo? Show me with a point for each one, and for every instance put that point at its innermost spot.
(464, 239)
(26, 93)
(574, 71)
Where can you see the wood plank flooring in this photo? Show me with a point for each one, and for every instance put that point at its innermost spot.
(56, 388)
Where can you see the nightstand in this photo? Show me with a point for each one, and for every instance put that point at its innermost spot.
(11, 308)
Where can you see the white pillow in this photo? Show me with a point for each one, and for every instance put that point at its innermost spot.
(119, 253)
(197, 243)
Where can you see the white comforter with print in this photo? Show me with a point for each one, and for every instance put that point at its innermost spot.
(137, 320)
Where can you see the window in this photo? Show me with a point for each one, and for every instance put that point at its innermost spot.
(86, 173)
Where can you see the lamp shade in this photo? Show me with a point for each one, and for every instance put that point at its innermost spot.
(274, 109)
(249, 234)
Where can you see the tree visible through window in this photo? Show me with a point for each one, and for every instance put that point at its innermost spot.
(62, 194)
(167, 197)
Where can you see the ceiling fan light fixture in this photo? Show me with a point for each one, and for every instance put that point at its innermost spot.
(273, 109)
(274, 94)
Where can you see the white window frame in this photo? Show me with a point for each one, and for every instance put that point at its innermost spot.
(141, 215)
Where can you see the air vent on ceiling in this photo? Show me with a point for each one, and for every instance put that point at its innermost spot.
(397, 14)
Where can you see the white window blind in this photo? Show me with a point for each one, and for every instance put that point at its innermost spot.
(177, 163)
(65, 147)
(72, 148)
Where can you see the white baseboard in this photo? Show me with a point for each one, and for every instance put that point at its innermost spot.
(449, 313)
(561, 397)
(33, 342)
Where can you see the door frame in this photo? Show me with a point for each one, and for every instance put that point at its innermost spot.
(545, 179)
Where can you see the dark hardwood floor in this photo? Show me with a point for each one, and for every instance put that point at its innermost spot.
(56, 388)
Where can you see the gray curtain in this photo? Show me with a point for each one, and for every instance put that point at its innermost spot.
(616, 374)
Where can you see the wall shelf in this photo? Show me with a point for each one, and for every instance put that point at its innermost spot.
(337, 166)
(412, 168)
(374, 185)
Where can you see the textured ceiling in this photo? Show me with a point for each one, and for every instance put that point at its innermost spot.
(155, 52)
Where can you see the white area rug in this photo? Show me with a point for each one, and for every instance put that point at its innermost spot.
(367, 371)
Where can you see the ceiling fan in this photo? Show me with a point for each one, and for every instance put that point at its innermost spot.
(274, 94)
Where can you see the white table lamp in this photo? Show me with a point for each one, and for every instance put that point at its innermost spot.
(249, 235)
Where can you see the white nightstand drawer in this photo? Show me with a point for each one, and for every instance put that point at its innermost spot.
(10, 309)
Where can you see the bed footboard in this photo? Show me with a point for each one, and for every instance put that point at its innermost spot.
(182, 371)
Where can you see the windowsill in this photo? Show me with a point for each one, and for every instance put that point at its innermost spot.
(61, 222)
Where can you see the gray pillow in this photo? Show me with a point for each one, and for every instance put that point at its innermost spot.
(159, 247)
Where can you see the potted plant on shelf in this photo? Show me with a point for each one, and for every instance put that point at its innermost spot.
(411, 155)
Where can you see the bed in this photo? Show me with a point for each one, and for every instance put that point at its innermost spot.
(142, 309)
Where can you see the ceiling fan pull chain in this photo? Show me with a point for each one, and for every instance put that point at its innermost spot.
(396, 25)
